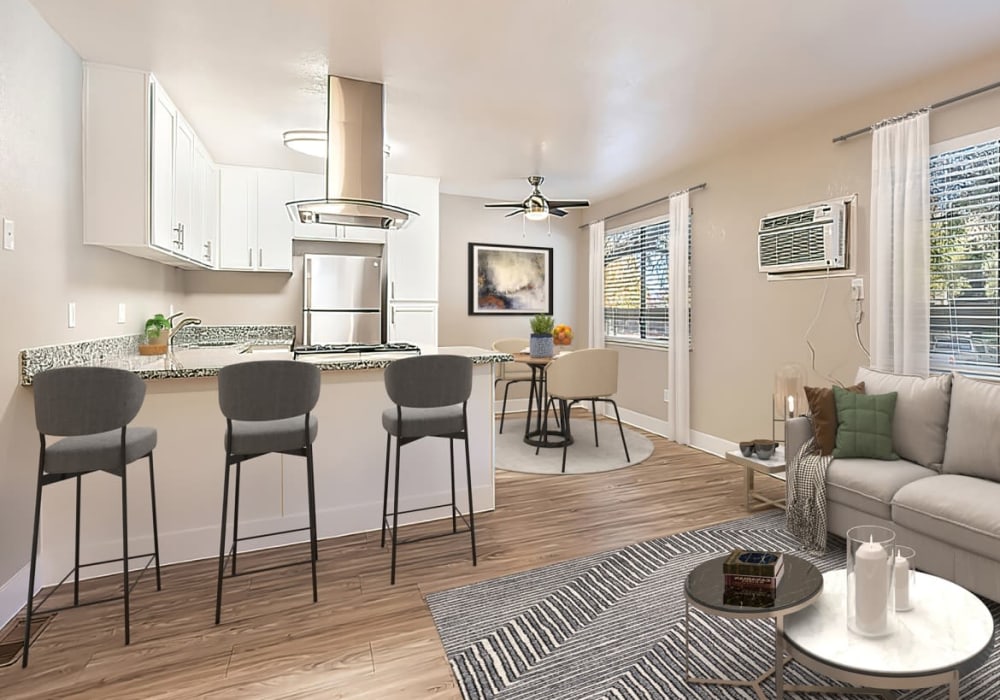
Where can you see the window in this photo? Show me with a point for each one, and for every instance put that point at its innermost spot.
(964, 255)
(636, 282)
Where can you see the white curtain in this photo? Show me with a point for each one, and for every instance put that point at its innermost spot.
(899, 241)
(596, 339)
(678, 374)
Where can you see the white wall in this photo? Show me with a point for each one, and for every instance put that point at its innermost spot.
(41, 190)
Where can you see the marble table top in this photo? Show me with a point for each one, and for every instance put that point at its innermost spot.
(947, 628)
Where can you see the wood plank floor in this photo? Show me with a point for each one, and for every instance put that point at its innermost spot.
(365, 638)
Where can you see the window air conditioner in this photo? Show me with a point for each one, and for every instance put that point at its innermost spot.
(803, 239)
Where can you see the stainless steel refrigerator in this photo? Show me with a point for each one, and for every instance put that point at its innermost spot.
(342, 300)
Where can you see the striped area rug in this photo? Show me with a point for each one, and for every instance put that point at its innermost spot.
(611, 626)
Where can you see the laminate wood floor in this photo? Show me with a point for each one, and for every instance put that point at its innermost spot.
(365, 638)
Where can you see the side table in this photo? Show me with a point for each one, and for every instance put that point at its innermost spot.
(774, 468)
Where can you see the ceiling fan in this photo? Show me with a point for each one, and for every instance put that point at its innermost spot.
(536, 207)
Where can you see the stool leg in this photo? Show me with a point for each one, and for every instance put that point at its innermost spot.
(451, 451)
(222, 544)
(128, 631)
(156, 532)
(76, 547)
(593, 412)
(385, 491)
(503, 410)
(312, 518)
(468, 477)
(34, 557)
(395, 517)
(236, 513)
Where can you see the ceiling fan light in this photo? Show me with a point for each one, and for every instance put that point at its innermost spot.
(536, 208)
(312, 143)
(536, 214)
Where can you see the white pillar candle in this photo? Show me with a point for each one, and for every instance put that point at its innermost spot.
(901, 579)
(791, 406)
(871, 593)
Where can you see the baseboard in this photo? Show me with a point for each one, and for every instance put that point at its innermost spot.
(640, 420)
(711, 444)
(513, 406)
(13, 595)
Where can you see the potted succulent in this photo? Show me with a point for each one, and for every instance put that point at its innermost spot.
(157, 332)
(541, 336)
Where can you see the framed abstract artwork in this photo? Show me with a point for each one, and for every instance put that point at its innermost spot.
(509, 280)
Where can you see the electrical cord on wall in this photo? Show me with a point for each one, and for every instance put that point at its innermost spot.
(819, 311)
(858, 315)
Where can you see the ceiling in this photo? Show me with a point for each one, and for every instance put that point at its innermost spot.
(597, 95)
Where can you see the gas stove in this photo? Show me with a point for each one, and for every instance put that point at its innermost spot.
(359, 348)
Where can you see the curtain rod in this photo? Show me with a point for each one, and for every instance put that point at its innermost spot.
(942, 103)
(646, 204)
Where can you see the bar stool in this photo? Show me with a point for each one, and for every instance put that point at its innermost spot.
(90, 408)
(268, 408)
(431, 394)
(511, 372)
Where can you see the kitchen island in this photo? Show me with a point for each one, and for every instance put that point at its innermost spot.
(182, 404)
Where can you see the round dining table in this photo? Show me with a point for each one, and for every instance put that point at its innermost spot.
(542, 435)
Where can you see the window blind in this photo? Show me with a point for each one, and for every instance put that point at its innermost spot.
(636, 285)
(964, 253)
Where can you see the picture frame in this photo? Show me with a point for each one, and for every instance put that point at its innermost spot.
(508, 280)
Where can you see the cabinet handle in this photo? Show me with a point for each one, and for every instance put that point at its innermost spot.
(249, 257)
(392, 287)
(260, 257)
(393, 316)
(208, 251)
(179, 238)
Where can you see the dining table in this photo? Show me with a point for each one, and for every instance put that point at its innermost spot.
(541, 435)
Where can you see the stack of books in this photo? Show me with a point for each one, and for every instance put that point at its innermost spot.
(752, 578)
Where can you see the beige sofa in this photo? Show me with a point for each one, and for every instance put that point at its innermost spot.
(942, 496)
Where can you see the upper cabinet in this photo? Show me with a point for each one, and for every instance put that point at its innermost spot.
(143, 192)
(255, 232)
(412, 251)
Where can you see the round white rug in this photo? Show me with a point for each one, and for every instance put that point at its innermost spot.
(582, 457)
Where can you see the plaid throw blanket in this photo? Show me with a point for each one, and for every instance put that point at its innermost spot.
(806, 496)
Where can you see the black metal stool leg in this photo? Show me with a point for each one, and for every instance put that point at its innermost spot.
(385, 491)
(503, 410)
(312, 519)
(156, 532)
(76, 543)
(34, 559)
(451, 451)
(468, 478)
(593, 412)
(236, 513)
(222, 543)
(128, 631)
(395, 516)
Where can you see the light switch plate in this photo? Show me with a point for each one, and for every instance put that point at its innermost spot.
(8, 234)
(121, 313)
(71, 315)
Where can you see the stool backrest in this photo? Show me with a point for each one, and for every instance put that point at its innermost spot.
(583, 374)
(268, 389)
(86, 400)
(429, 381)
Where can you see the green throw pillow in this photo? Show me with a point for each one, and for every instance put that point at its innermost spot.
(864, 424)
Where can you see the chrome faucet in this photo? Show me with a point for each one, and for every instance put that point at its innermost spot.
(190, 321)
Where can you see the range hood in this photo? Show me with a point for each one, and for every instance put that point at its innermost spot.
(354, 159)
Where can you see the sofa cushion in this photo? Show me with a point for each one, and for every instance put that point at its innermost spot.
(960, 511)
(868, 485)
(823, 410)
(920, 424)
(864, 424)
(973, 447)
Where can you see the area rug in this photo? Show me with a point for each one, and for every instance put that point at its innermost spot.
(514, 454)
(612, 626)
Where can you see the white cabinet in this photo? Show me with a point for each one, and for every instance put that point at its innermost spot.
(313, 186)
(202, 238)
(413, 323)
(412, 251)
(140, 186)
(255, 232)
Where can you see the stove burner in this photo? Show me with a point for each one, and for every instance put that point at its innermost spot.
(345, 348)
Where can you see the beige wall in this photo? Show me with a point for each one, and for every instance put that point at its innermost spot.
(744, 327)
(41, 190)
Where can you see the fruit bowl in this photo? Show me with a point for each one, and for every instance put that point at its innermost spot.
(562, 334)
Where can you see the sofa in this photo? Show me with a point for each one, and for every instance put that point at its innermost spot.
(942, 496)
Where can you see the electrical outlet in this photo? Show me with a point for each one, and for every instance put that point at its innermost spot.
(858, 288)
(121, 313)
(71, 315)
(8, 234)
(170, 311)
(666, 395)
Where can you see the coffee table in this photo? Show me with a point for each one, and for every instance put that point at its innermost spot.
(774, 468)
(800, 585)
(948, 633)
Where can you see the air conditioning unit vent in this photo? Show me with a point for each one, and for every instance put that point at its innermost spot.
(803, 239)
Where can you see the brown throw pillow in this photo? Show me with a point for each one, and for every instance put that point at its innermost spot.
(823, 408)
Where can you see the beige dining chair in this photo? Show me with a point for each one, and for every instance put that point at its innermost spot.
(584, 375)
(511, 372)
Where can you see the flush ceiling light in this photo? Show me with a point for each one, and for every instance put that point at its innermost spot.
(312, 143)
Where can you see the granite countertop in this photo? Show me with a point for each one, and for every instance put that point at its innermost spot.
(204, 352)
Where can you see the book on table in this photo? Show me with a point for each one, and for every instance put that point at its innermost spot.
(753, 563)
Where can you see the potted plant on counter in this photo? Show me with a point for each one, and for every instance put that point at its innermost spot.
(157, 333)
(541, 336)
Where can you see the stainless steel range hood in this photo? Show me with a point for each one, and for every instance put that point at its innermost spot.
(354, 159)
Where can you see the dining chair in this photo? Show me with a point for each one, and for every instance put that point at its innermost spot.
(511, 372)
(584, 375)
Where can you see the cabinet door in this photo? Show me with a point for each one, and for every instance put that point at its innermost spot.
(164, 118)
(413, 251)
(184, 190)
(196, 235)
(311, 186)
(413, 323)
(237, 212)
(210, 229)
(274, 227)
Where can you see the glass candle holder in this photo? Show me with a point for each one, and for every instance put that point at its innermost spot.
(870, 567)
(904, 577)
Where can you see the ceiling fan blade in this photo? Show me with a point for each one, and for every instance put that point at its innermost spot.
(557, 212)
(506, 205)
(565, 203)
(513, 213)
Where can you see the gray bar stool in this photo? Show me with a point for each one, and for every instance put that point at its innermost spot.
(268, 408)
(90, 407)
(431, 393)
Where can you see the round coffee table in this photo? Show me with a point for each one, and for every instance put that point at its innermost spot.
(800, 585)
(949, 632)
